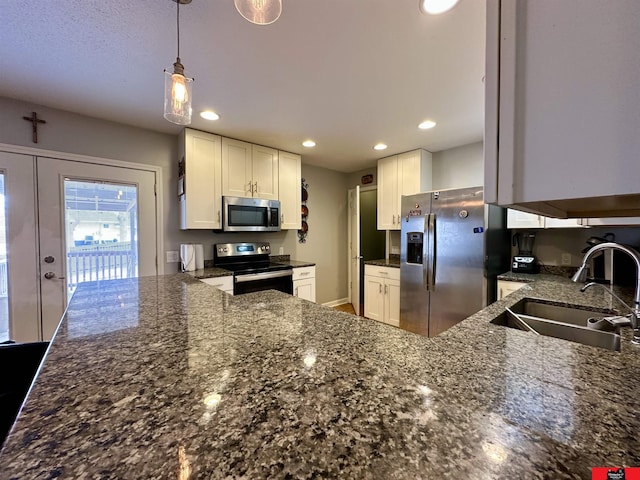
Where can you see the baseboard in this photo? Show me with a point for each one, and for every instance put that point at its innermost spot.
(335, 303)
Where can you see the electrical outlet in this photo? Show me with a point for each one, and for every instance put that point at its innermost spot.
(281, 251)
(565, 259)
(172, 256)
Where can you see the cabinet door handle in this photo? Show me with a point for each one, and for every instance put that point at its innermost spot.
(281, 218)
(296, 291)
(305, 273)
(250, 188)
(218, 216)
(385, 289)
(256, 185)
(380, 288)
(393, 219)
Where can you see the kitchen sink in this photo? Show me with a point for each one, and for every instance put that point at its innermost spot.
(565, 322)
(573, 315)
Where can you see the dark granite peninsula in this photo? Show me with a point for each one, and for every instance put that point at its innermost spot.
(169, 377)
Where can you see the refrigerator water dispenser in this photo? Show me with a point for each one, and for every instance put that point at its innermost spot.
(414, 247)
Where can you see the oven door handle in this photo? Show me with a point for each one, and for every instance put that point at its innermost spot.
(262, 276)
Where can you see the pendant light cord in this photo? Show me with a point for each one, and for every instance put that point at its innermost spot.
(178, 27)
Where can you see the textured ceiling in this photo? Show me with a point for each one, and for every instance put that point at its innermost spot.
(346, 73)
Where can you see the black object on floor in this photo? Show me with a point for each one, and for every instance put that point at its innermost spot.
(18, 363)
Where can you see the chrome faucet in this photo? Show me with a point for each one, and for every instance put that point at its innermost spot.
(581, 276)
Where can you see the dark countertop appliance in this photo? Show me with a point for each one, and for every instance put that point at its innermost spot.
(251, 267)
(524, 261)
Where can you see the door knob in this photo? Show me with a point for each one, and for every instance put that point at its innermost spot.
(51, 276)
(49, 259)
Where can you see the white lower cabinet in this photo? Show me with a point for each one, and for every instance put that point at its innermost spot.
(223, 283)
(382, 294)
(505, 287)
(304, 283)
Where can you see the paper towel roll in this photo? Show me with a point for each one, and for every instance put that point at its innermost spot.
(199, 256)
(188, 257)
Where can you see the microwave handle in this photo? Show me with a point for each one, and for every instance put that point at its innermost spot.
(269, 216)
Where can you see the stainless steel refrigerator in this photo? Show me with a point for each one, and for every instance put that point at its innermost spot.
(452, 247)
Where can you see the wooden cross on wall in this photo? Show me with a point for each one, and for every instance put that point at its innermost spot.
(34, 122)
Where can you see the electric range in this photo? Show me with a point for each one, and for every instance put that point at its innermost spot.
(251, 267)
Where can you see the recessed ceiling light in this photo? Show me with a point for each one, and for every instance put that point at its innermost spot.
(435, 7)
(308, 143)
(379, 146)
(427, 124)
(209, 115)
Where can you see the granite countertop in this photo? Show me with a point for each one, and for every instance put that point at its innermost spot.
(393, 261)
(166, 376)
(213, 272)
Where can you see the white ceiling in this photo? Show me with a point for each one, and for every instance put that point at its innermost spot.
(346, 73)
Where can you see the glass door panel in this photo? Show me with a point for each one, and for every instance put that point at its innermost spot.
(101, 226)
(4, 278)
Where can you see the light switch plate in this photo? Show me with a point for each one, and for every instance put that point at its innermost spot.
(566, 259)
(172, 256)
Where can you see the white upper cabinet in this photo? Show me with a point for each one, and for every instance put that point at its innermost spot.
(290, 188)
(236, 166)
(403, 174)
(265, 172)
(249, 170)
(518, 219)
(213, 166)
(200, 180)
(388, 193)
(562, 106)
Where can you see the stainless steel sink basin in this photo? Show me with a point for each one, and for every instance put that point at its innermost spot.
(575, 315)
(567, 323)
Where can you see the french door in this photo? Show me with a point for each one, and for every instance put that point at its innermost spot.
(68, 222)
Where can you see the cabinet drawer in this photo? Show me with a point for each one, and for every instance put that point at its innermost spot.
(301, 273)
(223, 283)
(382, 272)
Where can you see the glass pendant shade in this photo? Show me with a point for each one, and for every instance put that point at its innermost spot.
(436, 7)
(177, 97)
(260, 12)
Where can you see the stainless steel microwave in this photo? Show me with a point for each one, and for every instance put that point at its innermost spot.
(250, 215)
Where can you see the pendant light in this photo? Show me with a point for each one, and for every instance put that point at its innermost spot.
(260, 12)
(436, 7)
(177, 87)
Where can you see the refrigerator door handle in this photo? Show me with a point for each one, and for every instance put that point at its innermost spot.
(431, 253)
(425, 253)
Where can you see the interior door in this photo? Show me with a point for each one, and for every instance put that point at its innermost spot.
(19, 285)
(96, 223)
(354, 249)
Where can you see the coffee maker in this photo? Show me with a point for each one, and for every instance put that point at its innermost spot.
(524, 261)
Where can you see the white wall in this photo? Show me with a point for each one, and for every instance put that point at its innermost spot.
(68, 132)
(459, 167)
(326, 243)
